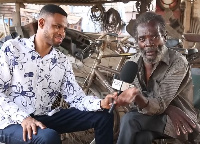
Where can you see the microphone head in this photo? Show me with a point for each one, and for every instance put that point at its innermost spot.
(129, 72)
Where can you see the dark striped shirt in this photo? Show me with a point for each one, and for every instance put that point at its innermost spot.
(170, 83)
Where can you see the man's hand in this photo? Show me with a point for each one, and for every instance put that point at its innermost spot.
(106, 103)
(132, 95)
(29, 125)
(182, 122)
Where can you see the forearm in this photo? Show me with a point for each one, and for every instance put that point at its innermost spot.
(10, 109)
(141, 101)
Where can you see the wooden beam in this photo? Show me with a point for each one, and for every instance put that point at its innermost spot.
(7, 4)
(186, 22)
(4, 27)
(62, 1)
(7, 15)
(17, 20)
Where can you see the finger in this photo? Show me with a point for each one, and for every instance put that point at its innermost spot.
(177, 129)
(190, 122)
(115, 94)
(109, 98)
(24, 133)
(30, 132)
(182, 128)
(41, 125)
(187, 127)
(34, 128)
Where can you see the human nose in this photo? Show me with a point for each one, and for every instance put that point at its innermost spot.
(148, 42)
(61, 31)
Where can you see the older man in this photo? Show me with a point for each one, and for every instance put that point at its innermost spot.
(163, 86)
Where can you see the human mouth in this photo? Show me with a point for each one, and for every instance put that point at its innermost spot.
(59, 39)
(150, 53)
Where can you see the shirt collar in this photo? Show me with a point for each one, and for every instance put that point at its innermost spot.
(32, 45)
(165, 56)
(32, 39)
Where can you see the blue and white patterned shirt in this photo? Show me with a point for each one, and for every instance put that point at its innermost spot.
(30, 83)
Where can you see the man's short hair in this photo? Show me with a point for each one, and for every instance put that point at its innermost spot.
(146, 18)
(52, 9)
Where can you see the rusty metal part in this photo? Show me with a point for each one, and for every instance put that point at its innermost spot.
(97, 13)
(112, 21)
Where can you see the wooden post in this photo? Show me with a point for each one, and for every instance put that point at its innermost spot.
(4, 27)
(9, 22)
(17, 19)
(186, 22)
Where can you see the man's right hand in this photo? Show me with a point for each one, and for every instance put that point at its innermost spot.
(30, 125)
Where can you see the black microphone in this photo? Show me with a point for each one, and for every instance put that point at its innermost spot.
(127, 76)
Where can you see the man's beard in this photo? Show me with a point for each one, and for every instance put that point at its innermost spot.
(159, 53)
(49, 39)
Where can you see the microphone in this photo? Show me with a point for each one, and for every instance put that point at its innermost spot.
(127, 76)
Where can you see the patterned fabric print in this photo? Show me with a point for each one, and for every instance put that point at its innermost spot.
(30, 83)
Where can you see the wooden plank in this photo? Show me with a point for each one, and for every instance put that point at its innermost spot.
(48, 1)
(18, 20)
(62, 1)
(186, 22)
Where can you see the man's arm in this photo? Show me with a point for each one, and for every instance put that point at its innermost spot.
(8, 107)
(75, 96)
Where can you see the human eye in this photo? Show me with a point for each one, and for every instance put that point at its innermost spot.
(156, 37)
(141, 39)
(57, 26)
(65, 29)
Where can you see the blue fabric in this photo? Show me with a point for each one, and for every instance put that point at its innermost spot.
(67, 120)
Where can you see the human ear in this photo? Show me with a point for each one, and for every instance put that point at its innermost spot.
(41, 22)
(165, 36)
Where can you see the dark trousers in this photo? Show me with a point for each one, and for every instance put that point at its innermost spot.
(137, 128)
(67, 120)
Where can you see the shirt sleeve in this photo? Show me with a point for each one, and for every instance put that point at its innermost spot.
(168, 88)
(7, 105)
(74, 95)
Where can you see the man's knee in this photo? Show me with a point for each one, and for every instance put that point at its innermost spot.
(129, 118)
(47, 136)
(126, 118)
(144, 137)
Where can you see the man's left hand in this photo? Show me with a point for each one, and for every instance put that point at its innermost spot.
(182, 122)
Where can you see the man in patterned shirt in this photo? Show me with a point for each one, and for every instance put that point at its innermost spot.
(32, 75)
(163, 88)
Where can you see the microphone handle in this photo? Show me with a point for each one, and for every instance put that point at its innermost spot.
(111, 108)
(113, 105)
